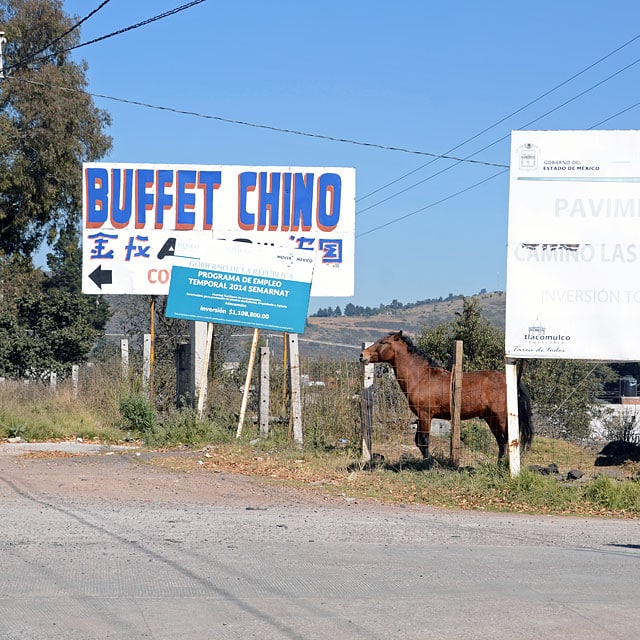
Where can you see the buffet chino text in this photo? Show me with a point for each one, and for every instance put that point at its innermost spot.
(122, 198)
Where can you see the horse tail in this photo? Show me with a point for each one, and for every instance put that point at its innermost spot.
(525, 418)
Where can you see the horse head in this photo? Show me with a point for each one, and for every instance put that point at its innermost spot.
(383, 350)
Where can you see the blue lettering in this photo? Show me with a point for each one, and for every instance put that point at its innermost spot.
(302, 201)
(144, 199)
(96, 197)
(329, 192)
(268, 200)
(186, 200)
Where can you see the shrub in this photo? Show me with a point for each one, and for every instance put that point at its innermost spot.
(138, 413)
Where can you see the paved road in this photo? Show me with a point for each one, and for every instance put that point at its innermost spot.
(104, 546)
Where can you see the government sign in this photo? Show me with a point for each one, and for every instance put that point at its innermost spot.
(573, 258)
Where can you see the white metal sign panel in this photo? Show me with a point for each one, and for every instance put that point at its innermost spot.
(573, 258)
(133, 214)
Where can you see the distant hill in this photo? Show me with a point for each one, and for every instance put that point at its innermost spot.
(333, 337)
(344, 335)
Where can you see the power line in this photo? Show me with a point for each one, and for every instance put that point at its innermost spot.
(144, 23)
(256, 125)
(544, 115)
(32, 57)
(507, 117)
(137, 25)
(481, 182)
(433, 204)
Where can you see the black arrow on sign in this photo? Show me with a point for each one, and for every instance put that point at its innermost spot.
(101, 277)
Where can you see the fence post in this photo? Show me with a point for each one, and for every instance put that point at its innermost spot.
(146, 364)
(456, 402)
(366, 408)
(263, 409)
(124, 357)
(184, 391)
(74, 379)
(296, 396)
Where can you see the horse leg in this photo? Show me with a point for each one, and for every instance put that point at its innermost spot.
(498, 427)
(422, 435)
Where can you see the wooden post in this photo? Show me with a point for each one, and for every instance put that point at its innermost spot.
(296, 395)
(285, 386)
(202, 390)
(198, 360)
(247, 384)
(456, 402)
(264, 392)
(513, 429)
(366, 408)
(184, 392)
(152, 347)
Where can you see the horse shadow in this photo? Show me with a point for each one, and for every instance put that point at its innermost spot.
(379, 463)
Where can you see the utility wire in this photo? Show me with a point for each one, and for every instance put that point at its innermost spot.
(432, 204)
(256, 125)
(32, 57)
(495, 175)
(505, 137)
(137, 25)
(505, 118)
(144, 23)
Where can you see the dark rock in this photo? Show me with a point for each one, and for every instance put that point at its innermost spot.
(537, 468)
(574, 474)
(618, 452)
(549, 470)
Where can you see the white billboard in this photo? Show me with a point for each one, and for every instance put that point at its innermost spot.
(134, 213)
(573, 259)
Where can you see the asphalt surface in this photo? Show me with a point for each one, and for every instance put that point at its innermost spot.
(106, 546)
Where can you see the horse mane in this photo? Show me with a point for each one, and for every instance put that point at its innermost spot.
(414, 349)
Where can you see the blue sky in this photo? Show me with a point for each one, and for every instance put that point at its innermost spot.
(422, 76)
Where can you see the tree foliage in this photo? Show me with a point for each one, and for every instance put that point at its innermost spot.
(565, 394)
(48, 126)
(483, 342)
(43, 329)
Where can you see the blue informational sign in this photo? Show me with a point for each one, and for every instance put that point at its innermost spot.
(241, 284)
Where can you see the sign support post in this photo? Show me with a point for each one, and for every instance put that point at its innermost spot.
(513, 429)
(247, 384)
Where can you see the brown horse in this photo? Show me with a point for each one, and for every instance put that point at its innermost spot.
(428, 391)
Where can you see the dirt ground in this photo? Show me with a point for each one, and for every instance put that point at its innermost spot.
(134, 476)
